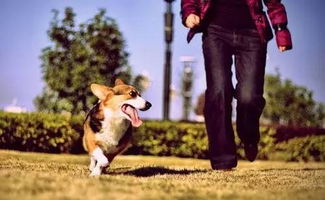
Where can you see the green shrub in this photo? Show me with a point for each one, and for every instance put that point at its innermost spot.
(190, 140)
(37, 132)
(310, 148)
(170, 139)
(284, 133)
(55, 133)
(186, 140)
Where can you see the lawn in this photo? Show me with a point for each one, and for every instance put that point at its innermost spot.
(51, 176)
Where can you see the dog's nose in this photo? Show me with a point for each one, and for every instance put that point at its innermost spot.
(147, 106)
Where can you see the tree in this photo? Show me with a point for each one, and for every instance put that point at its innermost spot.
(92, 52)
(290, 104)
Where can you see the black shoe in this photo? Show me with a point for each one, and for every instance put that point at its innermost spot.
(224, 166)
(251, 151)
(224, 169)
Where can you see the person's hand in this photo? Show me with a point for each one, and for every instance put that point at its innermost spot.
(192, 20)
(282, 48)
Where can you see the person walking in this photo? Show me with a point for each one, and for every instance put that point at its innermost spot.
(234, 31)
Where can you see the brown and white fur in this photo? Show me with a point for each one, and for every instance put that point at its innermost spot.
(108, 125)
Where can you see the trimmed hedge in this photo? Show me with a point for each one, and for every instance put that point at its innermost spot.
(55, 133)
(186, 140)
(284, 133)
(310, 148)
(170, 139)
(37, 132)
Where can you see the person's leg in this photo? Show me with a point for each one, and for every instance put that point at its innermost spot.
(250, 58)
(217, 110)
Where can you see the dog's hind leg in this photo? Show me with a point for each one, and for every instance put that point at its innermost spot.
(101, 161)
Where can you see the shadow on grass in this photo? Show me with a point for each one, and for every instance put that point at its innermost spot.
(153, 171)
(289, 169)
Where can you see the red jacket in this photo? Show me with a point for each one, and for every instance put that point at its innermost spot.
(275, 10)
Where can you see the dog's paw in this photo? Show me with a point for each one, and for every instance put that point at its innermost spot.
(95, 173)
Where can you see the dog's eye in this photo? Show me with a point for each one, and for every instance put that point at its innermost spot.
(133, 93)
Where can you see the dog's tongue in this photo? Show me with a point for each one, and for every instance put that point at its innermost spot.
(133, 113)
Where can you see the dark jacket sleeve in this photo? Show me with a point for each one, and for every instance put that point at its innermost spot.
(189, 7)
(278, 16)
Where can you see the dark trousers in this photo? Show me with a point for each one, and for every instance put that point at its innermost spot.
(219, 47)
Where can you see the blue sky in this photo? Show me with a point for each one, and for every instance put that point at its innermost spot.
(23, 35)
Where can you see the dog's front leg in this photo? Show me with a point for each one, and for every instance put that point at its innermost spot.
(92, 163)
(100, 160)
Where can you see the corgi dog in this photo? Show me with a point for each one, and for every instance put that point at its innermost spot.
(108, 125)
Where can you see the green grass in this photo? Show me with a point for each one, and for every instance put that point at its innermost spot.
(47, 176)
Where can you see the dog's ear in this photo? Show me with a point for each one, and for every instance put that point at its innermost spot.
(101, 91)
(119, 82)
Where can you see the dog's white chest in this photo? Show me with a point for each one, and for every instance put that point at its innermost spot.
(113, 129)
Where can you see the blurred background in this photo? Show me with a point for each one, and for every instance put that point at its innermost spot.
(33, 32)
(51, 51)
